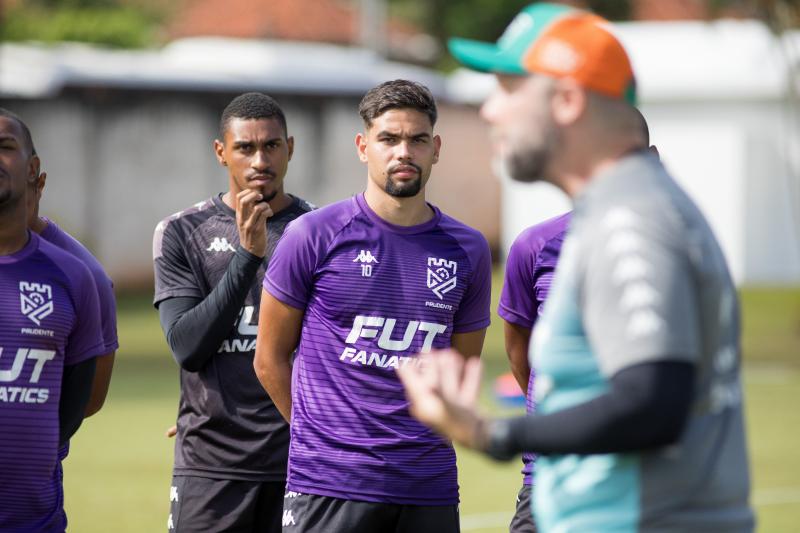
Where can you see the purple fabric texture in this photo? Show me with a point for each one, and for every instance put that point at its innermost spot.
(374, 296)
(50, 318)
(530, 266)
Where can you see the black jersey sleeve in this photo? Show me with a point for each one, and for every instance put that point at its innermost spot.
(647, 407)
(196, 327)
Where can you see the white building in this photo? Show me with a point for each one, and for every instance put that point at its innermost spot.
(721, 102)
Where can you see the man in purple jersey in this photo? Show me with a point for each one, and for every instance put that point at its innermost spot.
(530, 266)
(50, 335)
(529, 271)
(51, 232)
(358, 288)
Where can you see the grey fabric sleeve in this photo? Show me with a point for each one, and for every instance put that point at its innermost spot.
(638, 294)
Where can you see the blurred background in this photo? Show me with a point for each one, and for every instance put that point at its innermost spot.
(124, 96)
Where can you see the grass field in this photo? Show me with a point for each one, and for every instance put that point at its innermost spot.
(117, 476)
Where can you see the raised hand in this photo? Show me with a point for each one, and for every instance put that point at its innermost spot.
(251, 219)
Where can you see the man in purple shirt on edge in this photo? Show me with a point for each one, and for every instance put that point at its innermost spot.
(529, 271)
(50, 335)
(358, 288)
(530, 266)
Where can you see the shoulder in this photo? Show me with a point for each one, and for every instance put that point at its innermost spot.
(73, 271)
(472, 241)
(532, 240)
(72, 245)
(325, 222)
(181, 224)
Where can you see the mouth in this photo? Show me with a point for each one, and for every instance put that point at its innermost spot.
(405, 171)
(258, 180)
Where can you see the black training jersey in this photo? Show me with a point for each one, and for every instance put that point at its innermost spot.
(227, 425)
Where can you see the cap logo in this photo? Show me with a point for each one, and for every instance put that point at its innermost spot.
(559, 56)
(521, 24)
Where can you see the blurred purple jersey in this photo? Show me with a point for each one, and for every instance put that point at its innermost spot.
(529, 272)
(374, 296)
(50, 318)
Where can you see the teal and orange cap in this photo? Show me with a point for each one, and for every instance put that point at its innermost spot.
(558, 41)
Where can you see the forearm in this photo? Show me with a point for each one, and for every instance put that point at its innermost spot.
(517, 339)
(646, 408)
(275, 375)
(76, 386)
(102, 379)
(195, 329)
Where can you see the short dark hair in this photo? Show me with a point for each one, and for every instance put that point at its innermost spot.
(397, 94)
(252, 106)
(26, 132)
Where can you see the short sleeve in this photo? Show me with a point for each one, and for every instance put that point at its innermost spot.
(474, 309)
(518, 303)
(86, 338)
(290, 274)
(639, 300)
(108, 313)
(173, 273)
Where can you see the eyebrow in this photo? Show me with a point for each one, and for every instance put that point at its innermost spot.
(385, 133)
(245, 142)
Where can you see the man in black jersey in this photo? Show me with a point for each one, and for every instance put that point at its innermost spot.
(231, 446)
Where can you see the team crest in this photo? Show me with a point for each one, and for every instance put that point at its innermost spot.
(36, 301)
(441, 276)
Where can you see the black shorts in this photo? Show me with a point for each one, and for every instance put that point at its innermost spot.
(199, 504)
(523, 517)
(309, 513)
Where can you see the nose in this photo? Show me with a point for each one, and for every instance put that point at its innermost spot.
(489, 108)
(260, 161)
(403, 152)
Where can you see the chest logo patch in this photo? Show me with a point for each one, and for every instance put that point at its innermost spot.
(441, 276)
(365, 259)
(36, 301)
(220, 244)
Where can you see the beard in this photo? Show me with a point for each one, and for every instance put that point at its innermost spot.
(405, 189)
(529, 162)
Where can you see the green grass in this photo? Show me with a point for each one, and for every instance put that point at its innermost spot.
(117, 476)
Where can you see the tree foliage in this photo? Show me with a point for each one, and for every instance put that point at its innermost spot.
(113, 23)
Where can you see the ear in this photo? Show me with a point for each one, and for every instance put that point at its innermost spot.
(38, 185)
(219, 151)
(437, 146)
(290, 146)
(361, 146)
(568, 102)
(34, 166)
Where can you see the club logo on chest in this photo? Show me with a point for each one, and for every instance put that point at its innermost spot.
(36, 301)
(441, 276)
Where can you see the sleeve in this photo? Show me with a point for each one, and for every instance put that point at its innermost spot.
(474, 310)
(290, 274)
(173, 274)
(108, 313)
(518, 303)
(638, 293)
(86, 338)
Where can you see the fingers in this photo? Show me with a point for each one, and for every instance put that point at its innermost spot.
(251, 207)
(171, 432)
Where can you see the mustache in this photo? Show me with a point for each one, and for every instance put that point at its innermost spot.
(257, 175)
(404, 167)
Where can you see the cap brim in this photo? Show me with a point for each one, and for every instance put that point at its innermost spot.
(483, 57)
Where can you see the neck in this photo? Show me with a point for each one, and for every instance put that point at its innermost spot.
(13, 229)
(409, 211)
(577, 166)
(37, 225)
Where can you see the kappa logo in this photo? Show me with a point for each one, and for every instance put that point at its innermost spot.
(441, 276)
(173, 494)
(220, 244)
(288, 518)
(366, 259)
(36, 301)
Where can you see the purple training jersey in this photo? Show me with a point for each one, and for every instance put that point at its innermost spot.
(374, 296)
(49, 318)
(529, 272)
